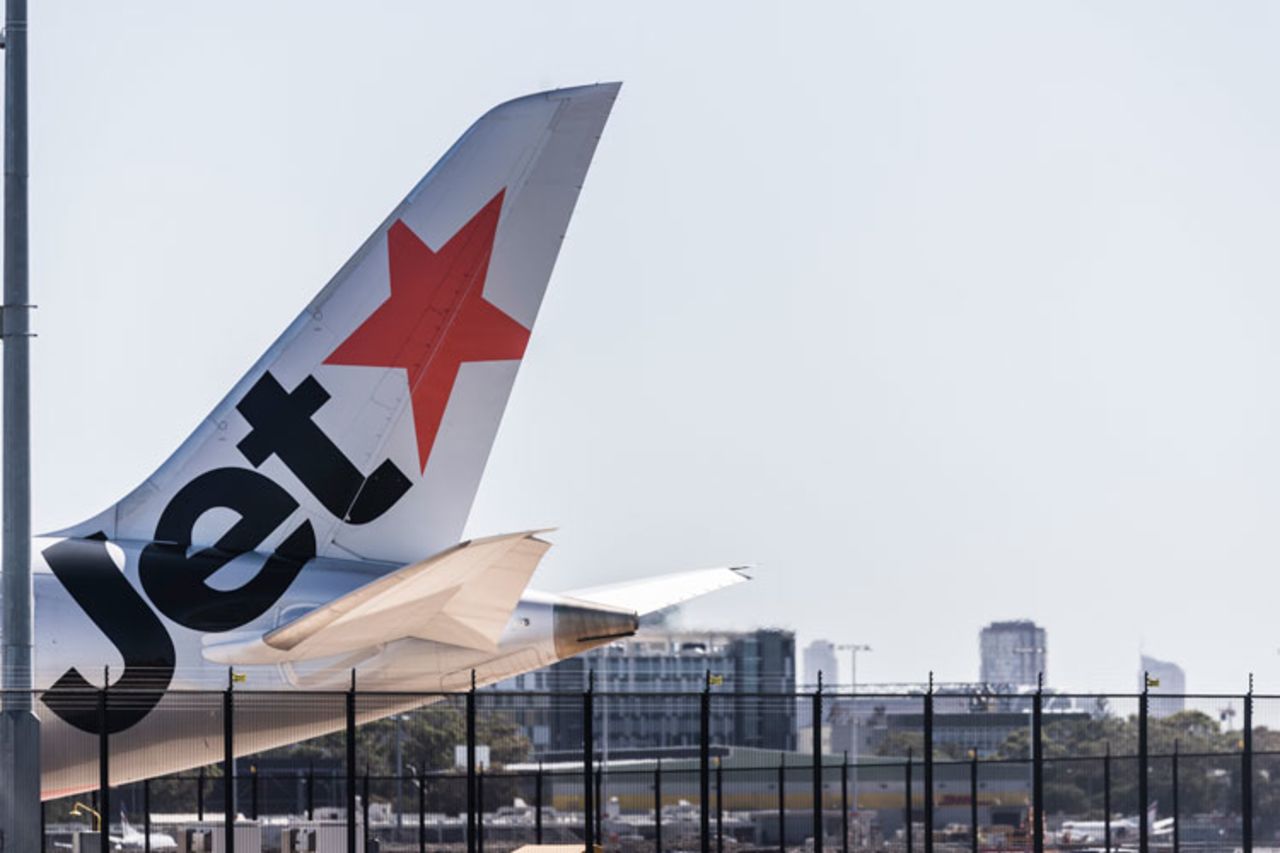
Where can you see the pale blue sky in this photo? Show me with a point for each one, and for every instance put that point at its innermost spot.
(938, 313)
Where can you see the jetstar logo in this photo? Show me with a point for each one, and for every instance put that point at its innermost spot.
(435, 319)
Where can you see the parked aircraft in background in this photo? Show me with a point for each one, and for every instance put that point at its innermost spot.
(308, 532)
(132, 839)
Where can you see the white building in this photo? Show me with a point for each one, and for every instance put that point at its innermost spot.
(820, 657)
(1013, 653)
(1167, 693)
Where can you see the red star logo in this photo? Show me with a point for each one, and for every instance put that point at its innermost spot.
(436, 318)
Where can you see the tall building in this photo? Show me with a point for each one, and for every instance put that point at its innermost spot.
(745, 663)
(1168, 683)
(820, 657)
(1014, 654)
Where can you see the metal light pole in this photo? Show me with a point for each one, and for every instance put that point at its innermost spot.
(19, 729)
(853, 649)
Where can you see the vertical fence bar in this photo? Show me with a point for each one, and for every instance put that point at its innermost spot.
(253, 790)
(480, 811)
(471, 766)
(364, 808)
(599, 824)
(351, 764)
(228, 769)
(657, 805)
(1246, 774)
(817, 767)
(782, 803)
(1177, 812)
(719, 805)
(908, 804)
(200, 775)
(537, 805)
(928, 769)
(1037, 765)
(704, 765)
(588, 761)
(1106, 797)
(422, 810)
(146, 816)
(1144, 839)
(104, 769)
(311, 791)
(973, 802)
(844, 803)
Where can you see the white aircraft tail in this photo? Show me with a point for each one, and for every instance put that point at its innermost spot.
(368, 423)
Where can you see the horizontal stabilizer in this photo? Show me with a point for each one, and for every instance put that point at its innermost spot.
(652, 594)
(463, 597)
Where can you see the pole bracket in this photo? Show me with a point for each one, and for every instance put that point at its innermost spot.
(4, 318)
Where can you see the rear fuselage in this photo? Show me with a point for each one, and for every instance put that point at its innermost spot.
(170, 715)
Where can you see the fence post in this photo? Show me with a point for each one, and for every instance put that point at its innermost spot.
(657, 805)
(599, 824)
(253, 790)
(1177, 812)
(146, 815)
(1246, 774)
(229, 766)
(471, 765)
(1037, 763)
(973, 801)
(479, 810)
(817, 767)
(907, 798)
(928, 769)
(104, 765)
(200, 776)
(1144, 840)
(704, 764)
(422, 809)
(351, 763)
(782, 803)
(1106, 797)
(719, 804)
(588, 761)
(537, 805)
(364, 806)
(844, 803)
(311, 791)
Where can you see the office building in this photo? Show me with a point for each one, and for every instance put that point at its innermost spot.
(1014, 654)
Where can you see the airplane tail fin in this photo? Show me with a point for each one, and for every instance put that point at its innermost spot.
(369, 421)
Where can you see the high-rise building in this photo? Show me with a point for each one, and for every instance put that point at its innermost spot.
(1165, 680)
(820, 657)
(1014, 654)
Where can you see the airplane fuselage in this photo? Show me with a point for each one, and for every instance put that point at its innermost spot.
(171, 721)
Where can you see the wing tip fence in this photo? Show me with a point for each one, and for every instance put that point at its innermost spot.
(710, 818)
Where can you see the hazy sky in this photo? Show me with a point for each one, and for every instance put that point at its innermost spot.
(936, 313)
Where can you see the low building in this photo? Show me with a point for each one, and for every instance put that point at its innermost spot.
(744, 666)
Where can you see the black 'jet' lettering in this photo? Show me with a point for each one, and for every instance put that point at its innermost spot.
(282, 425)
(176, 580)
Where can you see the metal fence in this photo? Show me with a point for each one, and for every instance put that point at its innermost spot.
(491, 770)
